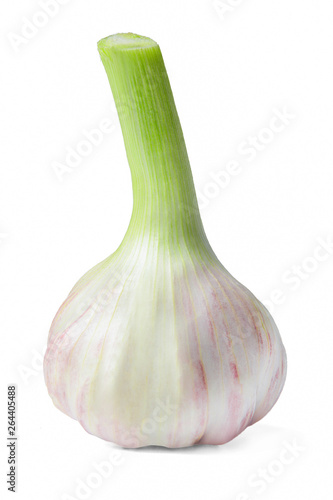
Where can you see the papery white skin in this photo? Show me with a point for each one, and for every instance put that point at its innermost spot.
(177, 330)
(159, 344)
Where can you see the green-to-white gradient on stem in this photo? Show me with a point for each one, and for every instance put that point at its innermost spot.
(159, 344)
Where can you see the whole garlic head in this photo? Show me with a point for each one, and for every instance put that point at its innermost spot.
(159, 344)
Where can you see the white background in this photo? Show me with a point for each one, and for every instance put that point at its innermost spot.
(229, 70)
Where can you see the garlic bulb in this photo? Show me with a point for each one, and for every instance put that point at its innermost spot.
(159, 344)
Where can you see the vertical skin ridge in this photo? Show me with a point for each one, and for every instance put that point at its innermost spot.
(215, 358)
(172, 442)
(214, 431)
(232, 429)
(201, 389)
